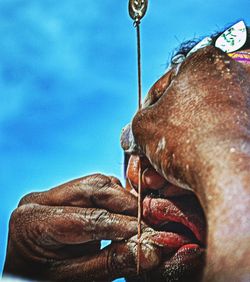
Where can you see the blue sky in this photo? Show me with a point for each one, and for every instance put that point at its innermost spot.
(68, 83)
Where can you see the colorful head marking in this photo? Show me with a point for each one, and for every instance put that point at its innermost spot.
(233, 38)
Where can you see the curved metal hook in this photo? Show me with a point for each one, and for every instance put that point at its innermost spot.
(137, 9)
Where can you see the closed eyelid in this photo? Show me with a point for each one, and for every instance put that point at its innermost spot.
(158, 89)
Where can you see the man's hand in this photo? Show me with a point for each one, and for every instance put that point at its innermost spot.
(55, 235)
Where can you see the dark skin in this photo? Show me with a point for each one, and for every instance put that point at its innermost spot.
(55, 235)
(199, 113)
(203, 114)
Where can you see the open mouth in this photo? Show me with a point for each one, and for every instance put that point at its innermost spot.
(178, 217)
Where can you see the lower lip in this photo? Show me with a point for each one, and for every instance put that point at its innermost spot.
(188, 262)
(176, 248)
(181, 261)
(173, 242)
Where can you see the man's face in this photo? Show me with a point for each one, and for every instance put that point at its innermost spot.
(179, 116)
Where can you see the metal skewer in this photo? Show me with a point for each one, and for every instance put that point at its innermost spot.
(137, 10)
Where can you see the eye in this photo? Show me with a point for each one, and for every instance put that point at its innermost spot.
(177, 59)
(158, 89)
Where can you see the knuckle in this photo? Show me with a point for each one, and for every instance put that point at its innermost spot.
(15, 215)
(117, 261)
(27, 199)
(115, 180)
(18, 220)
(150, 254)
(98, 180)
(23, 234)
(122, 258)
(20, 214)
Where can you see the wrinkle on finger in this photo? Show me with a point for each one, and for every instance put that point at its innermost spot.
(96, 190)
(49, 228)
(76, 192)
(115, 261)
(123, 257)
(27, 237)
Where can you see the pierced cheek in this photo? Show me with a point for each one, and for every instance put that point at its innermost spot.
(151, 180)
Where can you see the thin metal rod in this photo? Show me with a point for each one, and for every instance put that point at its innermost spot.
(139, 63)
(139, 214)
(137, 10)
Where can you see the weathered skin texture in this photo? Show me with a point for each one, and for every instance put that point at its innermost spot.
(55, 235)
(196, 134)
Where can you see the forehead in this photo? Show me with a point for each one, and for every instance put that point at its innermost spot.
(231, 39)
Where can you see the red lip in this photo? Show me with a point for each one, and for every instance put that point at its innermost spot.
(185, 211)
(183, 252)
(178, 219)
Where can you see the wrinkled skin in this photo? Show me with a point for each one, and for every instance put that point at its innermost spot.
(194, 129)
(55, 235)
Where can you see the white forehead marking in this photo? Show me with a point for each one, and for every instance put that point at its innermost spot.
(233, 38)
(203, 43)
(161, 145)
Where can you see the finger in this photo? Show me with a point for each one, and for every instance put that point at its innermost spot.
(96, 190)
(40, 231)
(116, 260)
